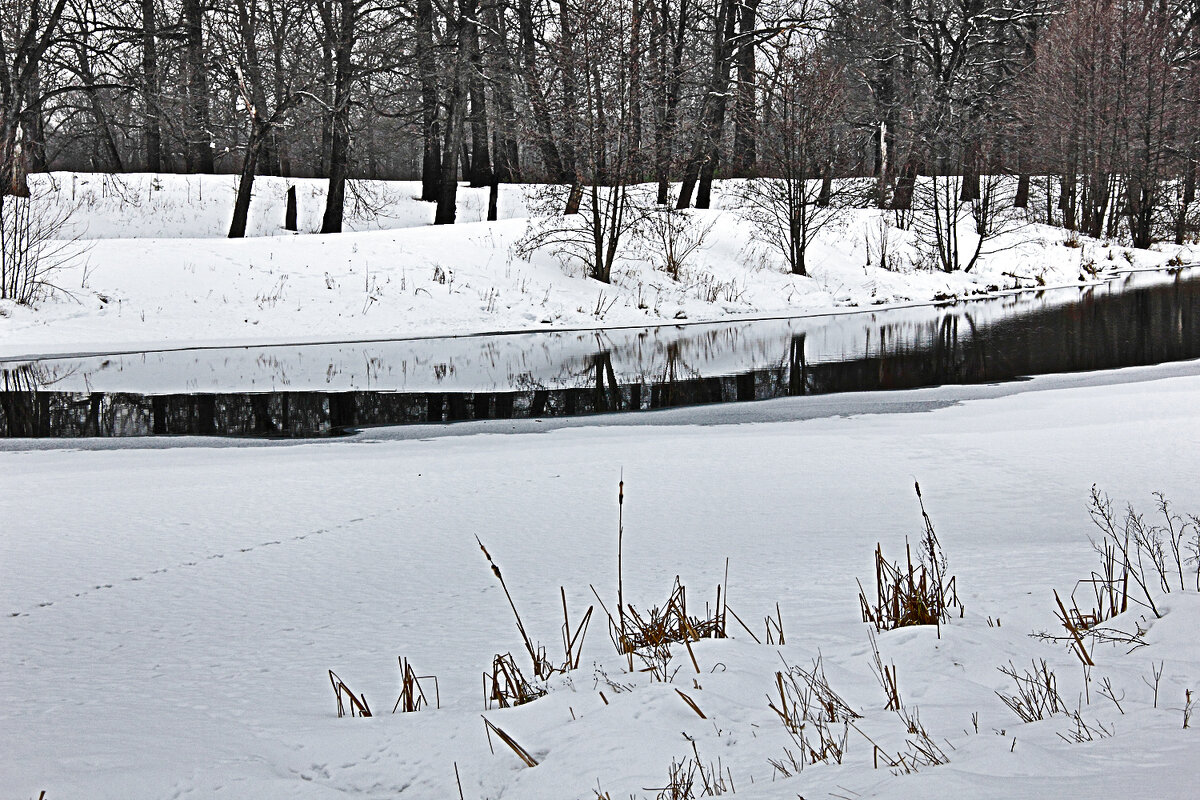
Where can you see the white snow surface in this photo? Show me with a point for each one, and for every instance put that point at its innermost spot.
(170, 614)
(154, 270)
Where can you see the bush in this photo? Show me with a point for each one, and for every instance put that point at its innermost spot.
(35, 242)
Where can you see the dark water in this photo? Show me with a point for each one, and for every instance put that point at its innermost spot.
(324, 390)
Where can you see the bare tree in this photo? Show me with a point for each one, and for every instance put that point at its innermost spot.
(602, 207)
(792, 204)
(1107, 106)
(250, 26)
(35, 242)
(27, 28)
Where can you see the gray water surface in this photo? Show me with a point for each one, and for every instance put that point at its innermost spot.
(320, 390)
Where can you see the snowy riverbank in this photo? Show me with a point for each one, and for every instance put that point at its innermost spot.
(157, 272)
(167, 631)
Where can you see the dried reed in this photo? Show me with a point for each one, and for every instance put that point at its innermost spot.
(357, 703)
(412, 695)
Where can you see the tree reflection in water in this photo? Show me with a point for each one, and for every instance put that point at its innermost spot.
(671, 367)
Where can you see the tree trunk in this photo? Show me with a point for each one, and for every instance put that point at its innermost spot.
(505, 154)
(494, 200)
(151, 124)
(906, 184)
(96, 106)
(635, 86)
(456, 114)
(826, 194)
(706, 150)
(1021, 199)
(20, 97)
(570, 107)
(33, 141)
(431, 157)
(290, 212)
(196, 120)
(745, 118)
(969, 190)
(241, 206)
(1189, 196)
(12, 170)
(481, 160)
(328, 73)
(339, 150)
(544, 131)
(669, 80)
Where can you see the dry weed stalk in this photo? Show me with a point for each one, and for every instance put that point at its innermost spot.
(573, 641)
(921, 750)
(774, 627)
(917, 594)
(1156, 557)
(1082, 732)
(1074, 625)
(810, 710)
(1037, 694)
(507, 686)
(692, 778)
(691, 704)
(542, 668)
(521, 752)
(885, 674)
(357, 703)
(412, 694)
(649, 634)
(806, 696)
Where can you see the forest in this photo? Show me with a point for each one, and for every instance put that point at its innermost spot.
(1085, 109)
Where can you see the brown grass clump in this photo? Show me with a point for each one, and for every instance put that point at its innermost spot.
(670, 623)
(506, 686)
(915, 594)
(412, 694)
(1140, 560)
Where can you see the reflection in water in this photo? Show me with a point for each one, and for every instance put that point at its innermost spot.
(327, 389)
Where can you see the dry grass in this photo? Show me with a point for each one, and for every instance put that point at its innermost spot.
(1155, 556)
(811, 712)
(537, 654)
(669, 623)
(886, 675)
(521, 752)
(507, 686)
(1036, 696)
(692, 778)
(412, 694)
(1140, 560)
(573, 638)
(357, 703)
(915, 594)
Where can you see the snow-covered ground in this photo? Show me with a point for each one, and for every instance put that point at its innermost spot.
(170, 614)
(157, 271)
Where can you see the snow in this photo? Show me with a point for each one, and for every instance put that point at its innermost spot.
(171, 613)
(154, 270)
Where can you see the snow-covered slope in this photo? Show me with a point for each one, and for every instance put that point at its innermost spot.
(156, 271)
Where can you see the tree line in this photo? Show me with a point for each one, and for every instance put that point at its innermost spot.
(1090, 106)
